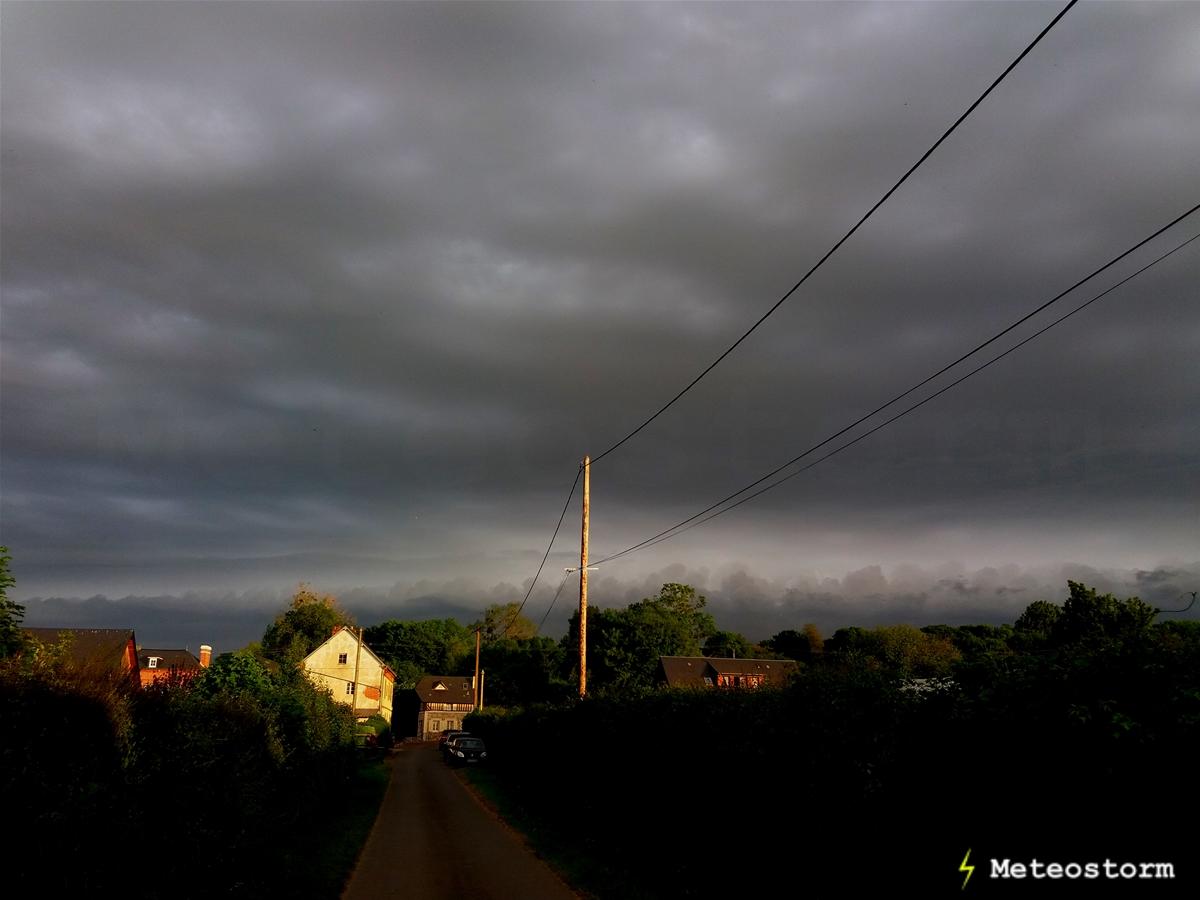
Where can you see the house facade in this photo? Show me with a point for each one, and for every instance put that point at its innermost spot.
(720, 672)
(349, 669)
(158, 665)
(442, 701)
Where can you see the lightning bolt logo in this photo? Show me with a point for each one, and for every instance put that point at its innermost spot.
(970, 870)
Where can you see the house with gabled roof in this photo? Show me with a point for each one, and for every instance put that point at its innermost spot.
(351, 671)
(722, 672)
(442, 702)
(95, 649)
(159, 665)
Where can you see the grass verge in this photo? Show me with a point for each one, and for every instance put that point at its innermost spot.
(320, 859)
(579, 865)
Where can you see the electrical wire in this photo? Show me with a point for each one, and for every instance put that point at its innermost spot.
(847, 235)
(546, 614)
(546, 555)
(1180, 597)
(696, 520)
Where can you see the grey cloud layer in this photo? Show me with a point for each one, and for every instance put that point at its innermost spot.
(372, 277)
(741, 601)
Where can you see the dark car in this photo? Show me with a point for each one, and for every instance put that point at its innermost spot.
(448, 736)
(465, 751)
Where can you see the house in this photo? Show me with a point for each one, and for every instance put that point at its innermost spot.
(351, 671)
(441, 702)
(97, 649)
(157, 665)
(720, 672)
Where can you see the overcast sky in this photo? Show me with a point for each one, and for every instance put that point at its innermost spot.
(343, 292)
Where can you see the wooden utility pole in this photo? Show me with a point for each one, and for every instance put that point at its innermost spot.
(357, 655)
(475, 680)
(583, 554)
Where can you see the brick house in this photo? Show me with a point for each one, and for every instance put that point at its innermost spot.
(721, 672)
(157, 665)
(352, 672)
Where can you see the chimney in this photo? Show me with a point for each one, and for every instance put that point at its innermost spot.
(205, 655)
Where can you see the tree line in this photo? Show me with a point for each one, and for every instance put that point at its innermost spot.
(1066, 735)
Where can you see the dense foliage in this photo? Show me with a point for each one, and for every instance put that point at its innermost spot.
(894, 752)
(303, 626)
(184, 788)
(11, 612)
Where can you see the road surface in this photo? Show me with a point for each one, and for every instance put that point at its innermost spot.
(433, 841)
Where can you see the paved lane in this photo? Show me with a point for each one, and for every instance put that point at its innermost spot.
(433, 841)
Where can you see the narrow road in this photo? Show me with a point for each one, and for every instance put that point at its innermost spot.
(433, 841)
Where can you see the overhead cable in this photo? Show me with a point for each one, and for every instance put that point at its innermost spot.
(703, 516)
(545, 555)
(844, 237)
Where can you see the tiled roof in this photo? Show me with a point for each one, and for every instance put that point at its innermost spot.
(87, 646)
(168, 659)
(690, 671)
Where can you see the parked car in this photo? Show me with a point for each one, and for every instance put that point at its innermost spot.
(448, 735)
(465, 751)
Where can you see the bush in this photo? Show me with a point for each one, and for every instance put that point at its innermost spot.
(203, 774)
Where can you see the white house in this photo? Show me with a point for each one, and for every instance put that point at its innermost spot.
(352, 673)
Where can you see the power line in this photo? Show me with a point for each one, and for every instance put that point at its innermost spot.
(846, 236)
(1177, 599)
(680, 530)
(546, 614)
(546, 555)
(696, 520)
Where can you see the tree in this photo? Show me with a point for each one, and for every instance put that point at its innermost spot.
(975, 642)
(906, 649)
(1098, 618)
(428, 647)
(520, 672)
(902, 649)
(681, 604)
(728, 644)
(11, 612)
(504, 620)
(303, 627)
(624, 644)
(235, 673)
(1038, 618)
(804, 646)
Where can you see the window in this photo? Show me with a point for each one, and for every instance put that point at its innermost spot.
(466, 685)
(152, 662)
(349, 687)
(341, 659)
(708, 680)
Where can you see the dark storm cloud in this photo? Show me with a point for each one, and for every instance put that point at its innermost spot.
(370, 278)
(739, 600)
